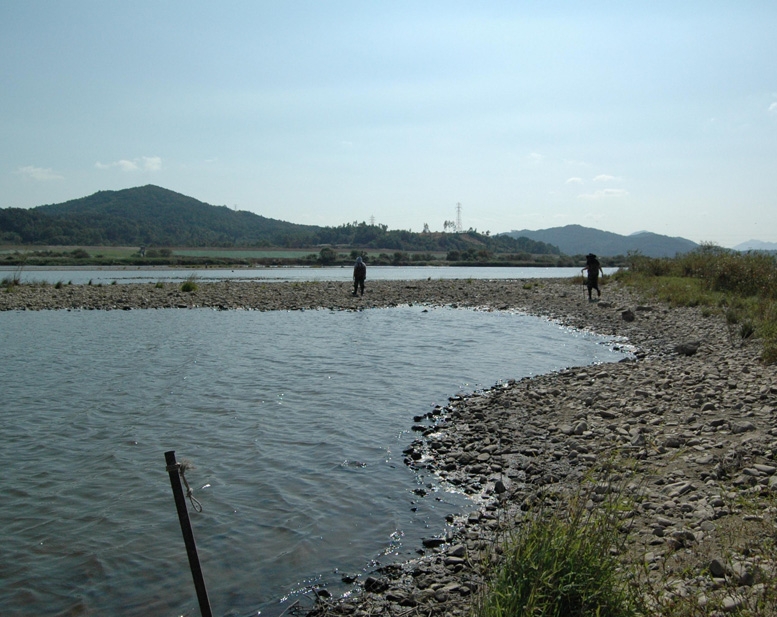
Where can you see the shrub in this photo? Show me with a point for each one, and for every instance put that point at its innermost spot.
(189, 285)
(742, 285)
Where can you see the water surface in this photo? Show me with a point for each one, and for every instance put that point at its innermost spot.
(295, 421)
(110, 275)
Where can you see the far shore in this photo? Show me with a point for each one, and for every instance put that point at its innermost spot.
(688, 425)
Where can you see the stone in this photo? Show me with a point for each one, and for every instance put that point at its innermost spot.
(375, 585)
(744, 426)
(717, 569)
(688, 349)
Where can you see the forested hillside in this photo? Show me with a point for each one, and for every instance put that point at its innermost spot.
(152, 216)
(149, 216)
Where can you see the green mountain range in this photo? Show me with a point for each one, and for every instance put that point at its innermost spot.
(152, 216)
(578, 240)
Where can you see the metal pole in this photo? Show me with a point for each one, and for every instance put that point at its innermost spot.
(188, 534)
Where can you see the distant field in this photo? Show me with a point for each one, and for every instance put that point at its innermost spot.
(124, 252)
(119, 252)
(244, 253)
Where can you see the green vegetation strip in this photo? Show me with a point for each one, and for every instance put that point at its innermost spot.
(740, 286)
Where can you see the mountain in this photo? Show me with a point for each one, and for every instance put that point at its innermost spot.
(756, 245)
(156, 217)
(151, 215)
(578, 240)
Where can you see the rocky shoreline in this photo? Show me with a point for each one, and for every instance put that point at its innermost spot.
(688, 425)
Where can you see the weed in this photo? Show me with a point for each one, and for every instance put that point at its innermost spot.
(190, 284)
(746, 329)
(564, 562)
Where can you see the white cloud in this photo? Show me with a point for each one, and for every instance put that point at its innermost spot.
(574, 180)
(152, 163)
(536, 157)
(41, 174)
(144, 163)
(606, 178)
(773, 108)
(605, 194)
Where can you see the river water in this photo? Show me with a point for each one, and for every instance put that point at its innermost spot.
(295, 422)
(110, 275)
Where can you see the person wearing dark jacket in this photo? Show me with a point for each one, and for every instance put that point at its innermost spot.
(359, 275)
(593, 267)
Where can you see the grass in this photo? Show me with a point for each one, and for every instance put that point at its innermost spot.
(190, 284)
(575, 557)
(562, 560)
(740, 286)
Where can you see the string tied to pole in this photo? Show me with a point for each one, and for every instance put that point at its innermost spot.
(182, 466)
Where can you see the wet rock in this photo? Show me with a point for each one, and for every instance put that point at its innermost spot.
(375, 585)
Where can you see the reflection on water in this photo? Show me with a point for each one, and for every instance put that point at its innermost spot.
(295, 421)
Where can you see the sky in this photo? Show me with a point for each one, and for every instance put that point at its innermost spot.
(622, 116)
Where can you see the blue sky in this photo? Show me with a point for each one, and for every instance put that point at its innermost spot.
(657, 116)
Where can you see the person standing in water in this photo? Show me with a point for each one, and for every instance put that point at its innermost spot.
(359, 275)
(593, 267)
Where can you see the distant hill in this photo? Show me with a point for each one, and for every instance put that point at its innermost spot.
(578, 240)
(153, 216)
(756, 245)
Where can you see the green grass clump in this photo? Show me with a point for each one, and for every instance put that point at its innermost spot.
(189, 285)
(560, 564)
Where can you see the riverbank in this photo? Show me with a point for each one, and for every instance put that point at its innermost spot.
(687, 428)
(686, 433)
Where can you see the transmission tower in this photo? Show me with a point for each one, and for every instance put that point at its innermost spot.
(372, 221)
(458, 218)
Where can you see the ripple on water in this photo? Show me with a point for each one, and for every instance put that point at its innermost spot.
(295, 423)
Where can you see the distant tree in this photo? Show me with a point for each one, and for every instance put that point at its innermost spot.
(327, 256)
